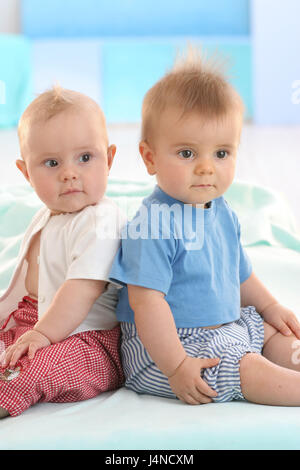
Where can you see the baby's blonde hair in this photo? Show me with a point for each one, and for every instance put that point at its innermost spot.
(193, 84)
(49, 104)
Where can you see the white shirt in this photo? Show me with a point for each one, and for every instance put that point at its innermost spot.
(79, 245)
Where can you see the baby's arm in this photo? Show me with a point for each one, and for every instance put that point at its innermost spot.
(253, 292)
(157, 331)
(68, 309)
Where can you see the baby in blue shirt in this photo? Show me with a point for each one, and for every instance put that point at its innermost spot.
(197, 324)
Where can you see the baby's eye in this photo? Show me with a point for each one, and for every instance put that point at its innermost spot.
(186, 154)
(221, 154)
(51, 163)
(85, 158)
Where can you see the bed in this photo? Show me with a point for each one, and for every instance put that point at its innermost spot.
(122, 420)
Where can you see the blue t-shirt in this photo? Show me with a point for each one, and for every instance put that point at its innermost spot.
(193, 255)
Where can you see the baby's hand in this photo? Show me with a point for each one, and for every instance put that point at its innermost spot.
(187, 383)
(283, 319)
(29, 342)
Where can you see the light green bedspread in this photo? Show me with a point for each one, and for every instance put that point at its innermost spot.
(125, 420)
(265, 217)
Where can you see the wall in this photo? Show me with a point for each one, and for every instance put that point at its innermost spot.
(276, 61)
(116, 50)
(273, 31)
(10, 16)
(90, 18)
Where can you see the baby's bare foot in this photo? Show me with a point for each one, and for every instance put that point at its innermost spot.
(3, 413)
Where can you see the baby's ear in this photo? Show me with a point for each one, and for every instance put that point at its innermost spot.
(111, 151)
(148, 157)
(21, 165)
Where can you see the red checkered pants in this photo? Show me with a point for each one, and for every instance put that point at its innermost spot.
(78, 368)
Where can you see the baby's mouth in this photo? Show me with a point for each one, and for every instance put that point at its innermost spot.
(70, 191)
(202, 186)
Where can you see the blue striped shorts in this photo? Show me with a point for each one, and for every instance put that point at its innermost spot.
(229, 342)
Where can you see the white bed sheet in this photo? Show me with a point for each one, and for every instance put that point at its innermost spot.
(125, 420)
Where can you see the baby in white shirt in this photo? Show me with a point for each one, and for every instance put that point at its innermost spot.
(61, 340)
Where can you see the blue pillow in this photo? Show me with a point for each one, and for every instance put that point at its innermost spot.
(15, 78)
(90, 18)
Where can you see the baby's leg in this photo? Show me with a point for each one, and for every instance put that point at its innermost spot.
(6, 339)
(267, 383)
(25, 317)
(78, 368)
(280, 349)
(273, 378)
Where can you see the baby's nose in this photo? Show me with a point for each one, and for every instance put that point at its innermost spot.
(69, 177)
(204, 167)
(69, 174)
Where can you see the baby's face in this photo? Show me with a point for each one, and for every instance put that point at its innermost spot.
(193, 157)
(67, 160)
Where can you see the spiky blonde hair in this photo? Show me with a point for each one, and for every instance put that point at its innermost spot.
(195, 83)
